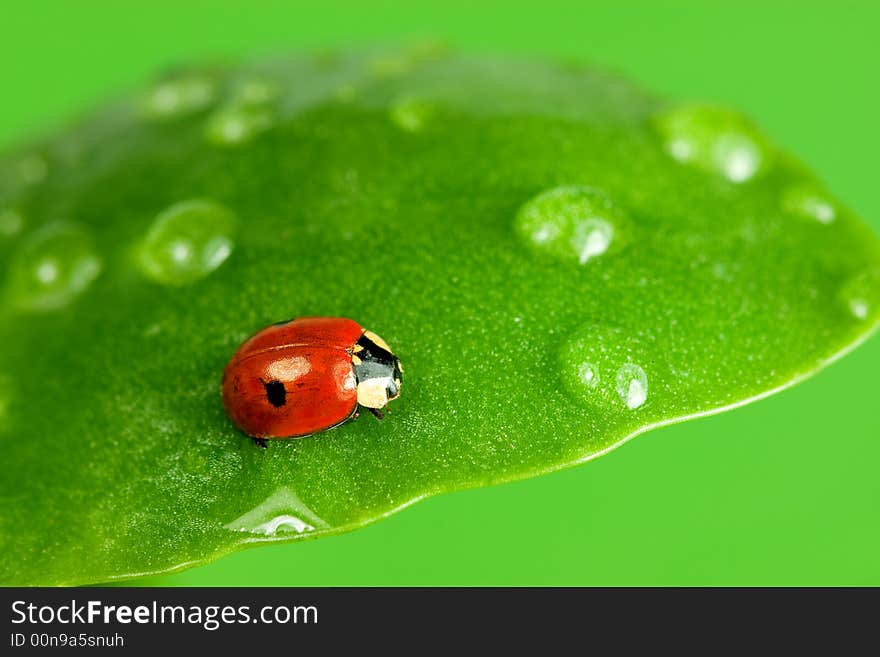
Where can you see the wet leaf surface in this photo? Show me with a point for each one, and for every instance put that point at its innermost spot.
(560, 259)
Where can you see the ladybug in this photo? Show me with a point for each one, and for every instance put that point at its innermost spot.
(297, 378)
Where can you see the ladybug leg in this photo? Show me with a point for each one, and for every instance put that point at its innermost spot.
(379, 414)
(261, 442)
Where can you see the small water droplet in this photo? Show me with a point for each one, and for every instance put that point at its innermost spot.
(11, 223)
(632, 385)
(280, 513)
(575, 223)
(588, 375)
(714, 139)
(180, 97)
(52, 267)
(810, 203)
(152, 330)
(187, 242)
(411, 114)
(859, 308)
(234, 125)
(860, 295)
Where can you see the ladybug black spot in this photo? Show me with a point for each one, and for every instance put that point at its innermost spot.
(275, 393)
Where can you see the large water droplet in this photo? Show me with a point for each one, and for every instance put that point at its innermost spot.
(52, 267)
(714, 139)
(860, 295)
(599, 366)
(281, 513)
(809, 202)
(632, 385)
(575, 223)
(187, 242)
(411, 114)
(180, 97)
(11, 222)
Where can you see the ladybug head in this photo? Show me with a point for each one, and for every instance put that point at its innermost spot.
(377, 370)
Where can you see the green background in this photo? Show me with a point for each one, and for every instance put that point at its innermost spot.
(784, 491)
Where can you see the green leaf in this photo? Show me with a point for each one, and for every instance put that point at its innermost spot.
(561, 260)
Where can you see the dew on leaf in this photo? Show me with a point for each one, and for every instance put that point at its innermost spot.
(179, 97)
(52, 267)
(411, 114)
(714, 139)
(599, 367)
(809, 203)
(574, 223)
(632, 385)
(860, 295)
(283, 512)
(187, 242)
(588, 375)
(236, 124)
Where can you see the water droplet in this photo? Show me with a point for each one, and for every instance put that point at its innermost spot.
(599, 367)
(234, 125)
(714, 139)
(180, 97)
(411, 114)
(860, 295)
(859, 308)
(11, 223)
(810, 203)
(52, 267)
(588, 375)
(187, 242)
(632, 385)
(281, 513)
(575, 223)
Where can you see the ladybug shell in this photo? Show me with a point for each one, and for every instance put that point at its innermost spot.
(294, 378)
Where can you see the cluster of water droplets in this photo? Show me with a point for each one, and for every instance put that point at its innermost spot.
(188, 241)
(282, 513)
(575, 223)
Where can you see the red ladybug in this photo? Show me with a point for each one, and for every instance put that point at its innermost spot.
(299, 377)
